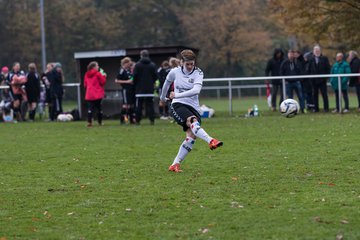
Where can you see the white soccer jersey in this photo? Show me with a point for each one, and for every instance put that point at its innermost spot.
(184, 82)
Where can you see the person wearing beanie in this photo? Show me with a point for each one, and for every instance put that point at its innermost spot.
(145, 76)
(4, 74)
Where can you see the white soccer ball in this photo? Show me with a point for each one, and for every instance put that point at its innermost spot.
(289, 108)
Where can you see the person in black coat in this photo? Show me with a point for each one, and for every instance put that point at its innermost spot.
(32, 87)
(163, 72)
(319, 64)
(354, 62)
(145, 76)
(306, 84)
(45, 80)
(56, 91)
(291, 67)
(273, 69)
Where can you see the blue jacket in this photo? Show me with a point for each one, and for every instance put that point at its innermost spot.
(338, 68)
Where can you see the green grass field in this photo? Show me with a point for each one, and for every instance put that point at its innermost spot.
(274, 178)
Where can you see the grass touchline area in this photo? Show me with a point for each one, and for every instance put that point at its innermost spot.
(275, 178)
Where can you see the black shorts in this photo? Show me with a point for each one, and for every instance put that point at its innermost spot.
(128, 96)
(181, 112)
(32, 98)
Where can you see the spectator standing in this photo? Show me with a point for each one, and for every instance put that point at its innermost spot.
(306, 85)
(145, 76)
(124, 78)
(16, 79)
(163, 106)
(56, 79)
(340, 67)
(94, 82)
(273, 69)
(3, 76)
(45, 78)
(32, 87)
(354, 62)
(6, 100)
(290, 67)
(319, 65)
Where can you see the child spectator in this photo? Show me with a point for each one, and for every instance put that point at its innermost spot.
(94, 83)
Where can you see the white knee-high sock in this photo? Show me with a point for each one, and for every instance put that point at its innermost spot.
(184, 149)
(199, 132)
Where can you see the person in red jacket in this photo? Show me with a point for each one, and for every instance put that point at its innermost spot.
(94, 82)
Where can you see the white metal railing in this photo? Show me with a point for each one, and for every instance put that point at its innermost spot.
(230, 80)
(77, 85)
(230, 86)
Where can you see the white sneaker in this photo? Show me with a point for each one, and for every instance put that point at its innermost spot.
(164, 118)
(334, 111)
(346, 111)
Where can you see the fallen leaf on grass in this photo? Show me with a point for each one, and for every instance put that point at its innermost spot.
(128, 209)
(46, 212)
(319, 220)
(203, 230)
(35, 219)
(339, 237)
(82, 186)
(236, 205)
(234, 178)
(329, 184)
(70, 213)
(344, 221)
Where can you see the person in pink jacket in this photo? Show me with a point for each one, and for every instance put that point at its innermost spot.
(94, 82)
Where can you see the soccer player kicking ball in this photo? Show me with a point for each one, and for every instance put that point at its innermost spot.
(185, 106)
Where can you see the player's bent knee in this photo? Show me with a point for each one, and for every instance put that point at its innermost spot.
(191, 120)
